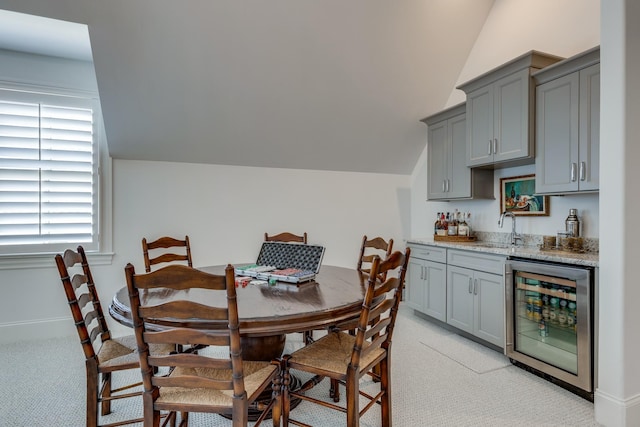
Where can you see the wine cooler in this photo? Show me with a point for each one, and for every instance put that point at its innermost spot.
(549, 325)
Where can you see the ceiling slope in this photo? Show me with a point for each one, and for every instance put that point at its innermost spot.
(325, 85)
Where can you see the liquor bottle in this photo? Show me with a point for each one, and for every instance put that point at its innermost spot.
(435, 224)
(463, 227)
(442, 225)
(452, 229)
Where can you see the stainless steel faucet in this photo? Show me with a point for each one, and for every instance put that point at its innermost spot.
(514, 236)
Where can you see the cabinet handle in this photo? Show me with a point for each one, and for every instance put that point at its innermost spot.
(421, 272)
(583, 167)
(573, 172)
(489, 152)
(475, 286)
(495, 146)
(470, 286)
(444, 185)
(447, 185)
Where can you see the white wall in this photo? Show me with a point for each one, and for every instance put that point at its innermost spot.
(225, 210)
(563, 28)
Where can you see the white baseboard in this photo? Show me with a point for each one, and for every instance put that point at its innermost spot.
(36, 330)
(610, 411)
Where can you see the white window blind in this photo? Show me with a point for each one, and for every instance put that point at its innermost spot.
(48, 173)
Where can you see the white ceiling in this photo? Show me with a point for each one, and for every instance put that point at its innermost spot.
(326, 85)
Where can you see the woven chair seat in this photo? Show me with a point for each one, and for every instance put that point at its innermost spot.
(332, 353)
(255, 374)
(122, 351)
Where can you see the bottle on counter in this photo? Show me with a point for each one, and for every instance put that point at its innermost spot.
(435, 224)
(442, 226)
(452, 229)
(463, 227)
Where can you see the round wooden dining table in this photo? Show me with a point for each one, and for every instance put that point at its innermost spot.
(266, 312)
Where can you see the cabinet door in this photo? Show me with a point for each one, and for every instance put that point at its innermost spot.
(459, 173)
(489, 300)
(557, 115)
(437, 161)
(511, 117)
(589, 166)
(479, 120)
(435, 290)
(460, 298)
(414, 285)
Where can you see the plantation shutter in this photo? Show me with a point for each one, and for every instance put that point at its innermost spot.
(47, 174)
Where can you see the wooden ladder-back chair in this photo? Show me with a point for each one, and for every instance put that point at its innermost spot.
(197, 382)
(347, 358)
(114, 354)
(369, 248)
(160, 247)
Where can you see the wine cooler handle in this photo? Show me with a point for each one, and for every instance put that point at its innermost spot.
(470, 286)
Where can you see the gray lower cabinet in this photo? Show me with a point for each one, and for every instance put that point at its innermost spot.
(568, 125)
(426, 286)
(475, 295)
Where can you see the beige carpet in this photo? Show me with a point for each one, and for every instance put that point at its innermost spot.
(434, 384)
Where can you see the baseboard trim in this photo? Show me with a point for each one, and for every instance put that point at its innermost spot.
(611, 411)
(36, 330)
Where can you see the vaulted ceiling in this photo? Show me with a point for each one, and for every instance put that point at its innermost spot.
(325, 85)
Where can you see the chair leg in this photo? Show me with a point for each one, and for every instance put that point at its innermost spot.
(385, 386)
(92, 394)
(353, 399)
(105, 392)
(334, 390)
(276, 395)
(286, 381)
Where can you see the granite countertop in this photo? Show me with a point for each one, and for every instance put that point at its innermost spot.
(501, 248)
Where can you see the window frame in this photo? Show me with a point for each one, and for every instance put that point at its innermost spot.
(102, 253)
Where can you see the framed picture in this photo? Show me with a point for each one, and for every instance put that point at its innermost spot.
(517, 195)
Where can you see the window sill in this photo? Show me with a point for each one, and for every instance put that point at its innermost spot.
(15, 262)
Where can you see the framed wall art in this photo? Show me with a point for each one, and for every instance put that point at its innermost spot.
(517, 195)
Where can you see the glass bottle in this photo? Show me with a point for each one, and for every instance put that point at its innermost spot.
(453, 224)
(463, 227)
(435, 224)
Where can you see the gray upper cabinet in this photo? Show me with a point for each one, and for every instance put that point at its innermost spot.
(500, 112)
(568, 125)
(448, 175)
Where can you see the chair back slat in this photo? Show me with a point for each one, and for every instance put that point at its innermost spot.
(93, 333)
(83, 300)
(177, 278)
(161, 255)
(286, 237)
(190, 360)
(192, 381)
(371, 248)
(185, 336)
(90, 317)
(78, 280)
(380, 306)
(185, 310)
